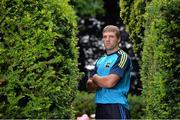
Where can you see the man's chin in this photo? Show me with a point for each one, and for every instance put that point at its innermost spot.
(109, 48)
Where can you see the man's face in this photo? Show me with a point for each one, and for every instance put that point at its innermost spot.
(110, 40)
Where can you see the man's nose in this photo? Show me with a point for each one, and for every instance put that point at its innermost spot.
(108, 38)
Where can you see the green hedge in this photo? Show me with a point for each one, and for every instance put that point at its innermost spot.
(132, 12)
(88, 8)
(154, 28)
(38, 59)
(125, 10)
(160, 60)
(137, 106)
(136, 25)
(84, 103)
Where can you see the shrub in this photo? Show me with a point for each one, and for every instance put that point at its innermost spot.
(38, 59)
(137, 106)
(125, 10)
(160, 60)
(154, 28)
(133, 15)
(84, 103)
(88, 8)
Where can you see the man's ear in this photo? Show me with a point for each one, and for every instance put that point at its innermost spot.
(119, 40)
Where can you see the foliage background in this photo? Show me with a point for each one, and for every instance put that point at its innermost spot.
(38, 59)
(84, 103)
(160, 74)
(91, 20)
(154, 30)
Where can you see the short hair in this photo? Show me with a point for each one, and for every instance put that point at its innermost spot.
(112, 28)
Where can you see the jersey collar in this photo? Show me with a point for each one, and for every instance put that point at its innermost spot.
(113, 52)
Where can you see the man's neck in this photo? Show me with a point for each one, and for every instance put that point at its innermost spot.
(112, 51)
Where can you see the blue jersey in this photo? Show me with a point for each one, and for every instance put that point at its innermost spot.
(117, 63)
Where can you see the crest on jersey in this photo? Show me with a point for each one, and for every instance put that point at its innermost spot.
(107, 65)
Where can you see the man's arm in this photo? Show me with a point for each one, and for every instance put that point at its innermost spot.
(91, 86)
(116, 73)
(106, 81)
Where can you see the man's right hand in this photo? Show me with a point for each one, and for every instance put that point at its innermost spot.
(91, 86)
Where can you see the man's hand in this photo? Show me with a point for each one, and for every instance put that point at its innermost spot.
(91, 86)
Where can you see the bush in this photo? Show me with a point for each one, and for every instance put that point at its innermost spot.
(84, 103)
(160, 60)
(132, 12)
(88, 8)
(136, 106)
(125, 10)
(38, 59)
(154, 27)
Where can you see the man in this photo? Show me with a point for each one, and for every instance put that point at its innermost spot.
(111, 78)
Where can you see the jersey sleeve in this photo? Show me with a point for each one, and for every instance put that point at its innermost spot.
(121, 65)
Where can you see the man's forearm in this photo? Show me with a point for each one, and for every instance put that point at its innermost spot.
(101, 81)
(106, 81)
